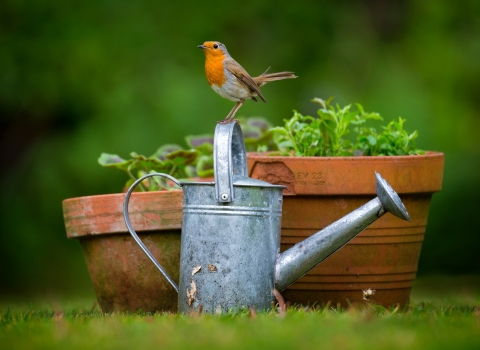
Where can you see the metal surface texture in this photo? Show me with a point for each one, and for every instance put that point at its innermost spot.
(229, 159)
(302, 257)
(390, 199)
(229, 250)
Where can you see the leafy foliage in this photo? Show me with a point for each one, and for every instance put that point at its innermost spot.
(326, 135)
(169, 159)
(392, 141)
(257, 135)
(185, 164)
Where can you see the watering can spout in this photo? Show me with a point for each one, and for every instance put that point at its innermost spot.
(304, 256)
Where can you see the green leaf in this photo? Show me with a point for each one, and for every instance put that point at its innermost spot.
(161, 183)
(164, 150)
(205, 148)
(205, 166)
(114, 161)
(372, 140)
(194, 141)
(182, 157)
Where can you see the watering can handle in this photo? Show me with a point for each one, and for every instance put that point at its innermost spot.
(229, 159)
(134, 234)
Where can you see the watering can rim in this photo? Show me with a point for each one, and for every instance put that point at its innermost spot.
(240, 181)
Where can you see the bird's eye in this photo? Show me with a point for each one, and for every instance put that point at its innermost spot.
(215, 46)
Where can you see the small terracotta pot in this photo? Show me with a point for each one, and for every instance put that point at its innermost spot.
(123, 277)
(321, 190)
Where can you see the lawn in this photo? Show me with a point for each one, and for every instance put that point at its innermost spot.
(444, 314)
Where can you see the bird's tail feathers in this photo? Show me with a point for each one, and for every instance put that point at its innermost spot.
(266, 78)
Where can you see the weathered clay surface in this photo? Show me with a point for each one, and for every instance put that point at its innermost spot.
(385, 256)
(275, 173)
(123, 277)
(103, 214)
(351, 175)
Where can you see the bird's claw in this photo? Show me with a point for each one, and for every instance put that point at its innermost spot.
(227, 121)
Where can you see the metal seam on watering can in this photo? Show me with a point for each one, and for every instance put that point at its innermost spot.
(214, 210)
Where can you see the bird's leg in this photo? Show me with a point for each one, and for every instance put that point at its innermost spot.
(234, 110)
(232, 113)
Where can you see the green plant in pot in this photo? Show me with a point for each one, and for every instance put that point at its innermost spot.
(122, 276)
(327, 163)
(195, 163)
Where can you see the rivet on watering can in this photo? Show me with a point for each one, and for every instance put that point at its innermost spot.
(224, 196)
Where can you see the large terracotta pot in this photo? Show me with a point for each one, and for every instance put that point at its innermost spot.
(123, 277)
(321, 190)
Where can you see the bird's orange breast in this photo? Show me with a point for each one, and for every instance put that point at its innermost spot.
(214, 70)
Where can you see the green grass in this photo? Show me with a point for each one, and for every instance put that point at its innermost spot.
(444, 314)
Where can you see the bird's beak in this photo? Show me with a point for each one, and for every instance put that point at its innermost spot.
(203, 47)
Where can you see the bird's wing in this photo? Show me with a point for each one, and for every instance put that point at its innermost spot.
(241, 74)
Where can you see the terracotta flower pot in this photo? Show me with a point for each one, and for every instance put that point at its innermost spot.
(321, 190)
(123, 277)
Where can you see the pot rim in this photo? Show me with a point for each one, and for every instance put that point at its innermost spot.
(349, 175)
(271, 155)
(103, 214)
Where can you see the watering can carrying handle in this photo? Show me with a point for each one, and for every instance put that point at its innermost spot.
(134, 234)
(229, 159)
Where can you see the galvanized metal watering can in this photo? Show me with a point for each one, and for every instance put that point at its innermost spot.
(230, 247)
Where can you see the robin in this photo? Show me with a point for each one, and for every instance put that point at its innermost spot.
(230, 80)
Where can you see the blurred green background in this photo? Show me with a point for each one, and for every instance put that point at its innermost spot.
(78, 78)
